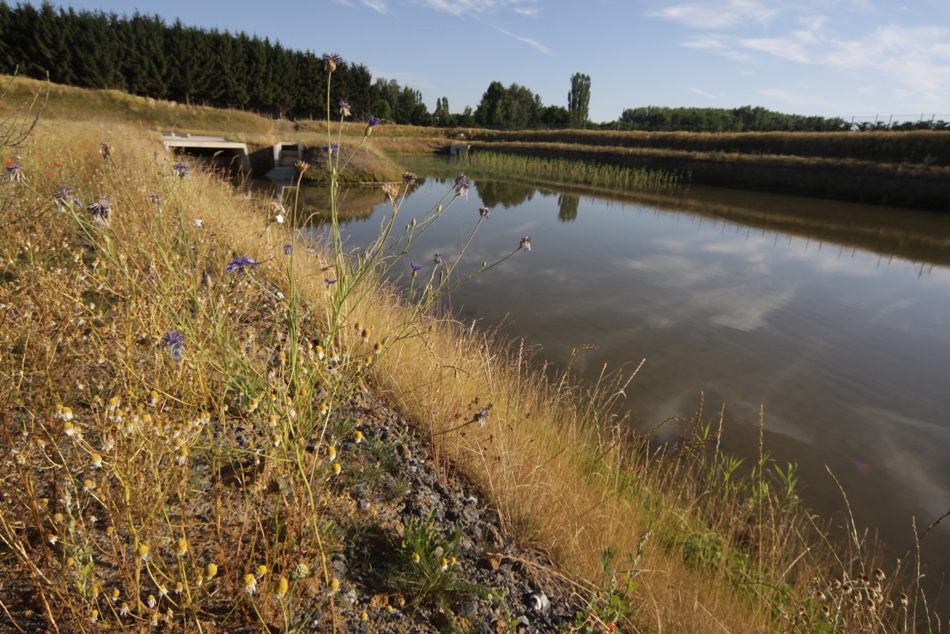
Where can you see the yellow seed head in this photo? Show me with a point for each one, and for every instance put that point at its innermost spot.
(210, 571)
(282, 586)
(261, 570)
(334, 584)
(337, 468)
(182, 547)
(358, 437)
(142, 551)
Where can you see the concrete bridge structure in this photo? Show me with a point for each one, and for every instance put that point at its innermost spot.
(209, 146)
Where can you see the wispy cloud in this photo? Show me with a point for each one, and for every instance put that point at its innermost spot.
(716, 44)
(375, 5)
(481, 7)
(718, 15)
(702, 93)
(527, 40)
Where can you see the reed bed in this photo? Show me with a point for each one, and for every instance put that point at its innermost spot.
(561, 170)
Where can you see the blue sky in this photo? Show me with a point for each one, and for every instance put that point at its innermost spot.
(823, 57)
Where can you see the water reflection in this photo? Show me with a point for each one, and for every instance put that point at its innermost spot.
(831, 316)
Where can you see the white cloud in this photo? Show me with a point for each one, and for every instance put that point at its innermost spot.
(534, 43)
(718, 15)
(714, 44)
(702, 93)
(375, 5)
(480, 7)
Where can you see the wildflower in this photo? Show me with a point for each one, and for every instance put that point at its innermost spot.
(904, 600)
(124, 609)
(69, 429)
(63, 196)
(337, 468)
(151, 602)
(198, 222)
(415, 557)
(461, 185)
(261, 571)
(240, 263)
(329, 281)
(331, 452)
(408, 178)
(879, 574)
(252, 405)
(444, 564)
(181, 548)
(67, 414)
(282, 587)
(525, 243)
(364, 335)
(300, 571)
(249, 582)
(481, 416)
(302, 166)
(179, 587)
(162, 591)
(272, 420)
(142, 551)
(210, 571)
(415, 268)
(14, 170)
(115, 595)
(334, 585)
(438, 259)
(181, 169)
(155, 198)
(275, 440)
(105, 149)
(371, 123)
(101, 210)
(331, 61)
(377, 348)
(319, 351)
(358, 437)
(53, 539)
(175, 342)
(288, 249)
(484, 212)
(88, 485)
(344, 108)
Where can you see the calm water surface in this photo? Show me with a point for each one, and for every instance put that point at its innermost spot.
(847, 350)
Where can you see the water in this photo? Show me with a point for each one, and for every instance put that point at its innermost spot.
(839, 331)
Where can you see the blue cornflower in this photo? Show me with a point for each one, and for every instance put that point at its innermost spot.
(371, 123)
(288, 249)
(329, 281)
(331, 61)
(415, 268)
(481, 416)
(101, 210)
(64, 195)
(484, 212)
(155, 198)
(344, 108)
(181, 169)
(175, 342)
(238, 264)
(333, 147)
(14, 170)
(525, 243)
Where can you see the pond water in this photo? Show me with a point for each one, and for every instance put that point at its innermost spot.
(833, 317)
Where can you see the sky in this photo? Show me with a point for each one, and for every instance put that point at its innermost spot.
(847, 58)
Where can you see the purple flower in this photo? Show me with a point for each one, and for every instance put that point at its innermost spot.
(181, 169)
(175, 342)
(415, 268)
(155, 198)
(481, 416)
(331, 61)
(525, 243)
(333, 147)
(484, 212)
(370, 124)
(461, 185)
(288, 249)
(439, 260)
(344, 108)
(101, 210)
(329, 281)
(14, 170)
(64, 195)
(238, 264)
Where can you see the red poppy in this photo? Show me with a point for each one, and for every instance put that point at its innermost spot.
(57, 164)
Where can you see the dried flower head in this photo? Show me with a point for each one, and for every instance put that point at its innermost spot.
(461, 185)
(282, 587)
(484, 212)
(344, 108)
(392, 192)
(408, 178)
(105, 149)
(525, 243)
(300, 571)
(288, 249)
(155, 198)
(101, 210)
(302, 166)
(249, 582)
(210, 571)
(63, 196)
(481, 416)
(438, 259)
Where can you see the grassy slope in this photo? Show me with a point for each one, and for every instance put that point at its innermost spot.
(573, 493)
